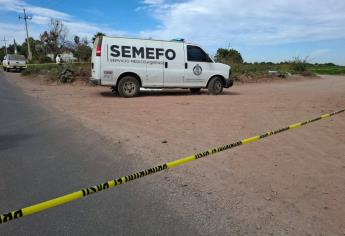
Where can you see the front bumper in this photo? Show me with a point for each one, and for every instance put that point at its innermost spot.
(228, 83)
(16, 67)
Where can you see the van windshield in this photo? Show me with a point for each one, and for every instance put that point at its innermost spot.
(16, 57)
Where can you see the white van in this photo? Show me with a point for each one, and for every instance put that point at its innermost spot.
(127, 64)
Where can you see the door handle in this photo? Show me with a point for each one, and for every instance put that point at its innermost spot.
(186, 65)
(166, 64)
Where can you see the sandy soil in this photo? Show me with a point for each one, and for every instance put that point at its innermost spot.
(289, 184)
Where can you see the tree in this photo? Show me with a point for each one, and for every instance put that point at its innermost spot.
(81, 48)
(85, 41)
(97, 35)
(83, 52)
(56, 38)
(230, 56)
(77, 40)
(2, 53)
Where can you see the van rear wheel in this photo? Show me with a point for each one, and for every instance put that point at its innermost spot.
(215, 86)
(128, 87)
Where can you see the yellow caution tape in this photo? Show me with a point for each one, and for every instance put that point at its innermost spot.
(113, 183)
(62, 63)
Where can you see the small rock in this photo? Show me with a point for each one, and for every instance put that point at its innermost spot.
(258, 227)
(164, 141)
(268, 198)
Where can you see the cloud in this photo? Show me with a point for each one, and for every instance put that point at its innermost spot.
(152, 2)
(261, 22)
(41, 18)
(19, 5)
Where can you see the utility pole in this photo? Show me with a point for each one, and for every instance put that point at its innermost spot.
(15, 47)
(5, 40)
(26, 17)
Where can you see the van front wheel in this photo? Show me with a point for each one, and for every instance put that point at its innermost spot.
(215, 86)
(128, 87)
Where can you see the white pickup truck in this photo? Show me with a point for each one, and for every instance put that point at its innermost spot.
(14, 62)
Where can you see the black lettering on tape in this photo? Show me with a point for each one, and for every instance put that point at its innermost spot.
(281, 130)
(202, 154)
(266, 135)
(10, 216)
(18, 214)
(95, 189)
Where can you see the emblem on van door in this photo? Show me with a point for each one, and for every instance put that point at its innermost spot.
(197, 70)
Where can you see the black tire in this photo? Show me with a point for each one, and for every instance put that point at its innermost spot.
(215, 86)
(128, 87)
(195, 90)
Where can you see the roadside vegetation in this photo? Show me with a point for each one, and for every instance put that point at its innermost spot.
(62, 73)
(55, 40)
(243, 71)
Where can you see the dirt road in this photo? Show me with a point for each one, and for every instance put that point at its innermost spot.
(289, 184)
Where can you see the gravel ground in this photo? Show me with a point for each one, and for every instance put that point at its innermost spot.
(288, 184)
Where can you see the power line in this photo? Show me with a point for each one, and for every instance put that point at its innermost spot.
(25, 18)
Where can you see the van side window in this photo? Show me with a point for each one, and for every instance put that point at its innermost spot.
(196, 54)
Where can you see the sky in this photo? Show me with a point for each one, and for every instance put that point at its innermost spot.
(261, 30)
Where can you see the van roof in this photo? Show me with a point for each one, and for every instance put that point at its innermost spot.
(161, 40)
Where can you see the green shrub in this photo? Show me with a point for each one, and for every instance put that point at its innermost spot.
(44, 59)
(299, 65)
(65, 74)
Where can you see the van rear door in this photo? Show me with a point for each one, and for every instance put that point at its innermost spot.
(96, 59)
(154, 66)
